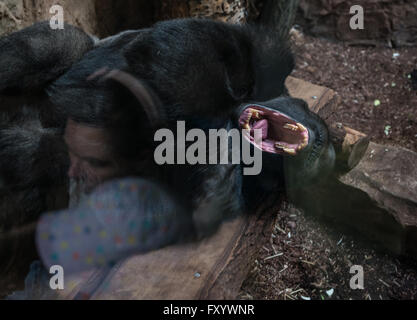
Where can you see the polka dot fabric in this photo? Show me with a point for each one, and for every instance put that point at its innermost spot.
(118, 219)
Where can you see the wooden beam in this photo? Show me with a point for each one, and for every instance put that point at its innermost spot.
(350, 146)
(320, 100)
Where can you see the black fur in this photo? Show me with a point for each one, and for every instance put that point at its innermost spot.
(31, 155)
(201, 70)
(212, 66)
(33, 167)
(37, 55)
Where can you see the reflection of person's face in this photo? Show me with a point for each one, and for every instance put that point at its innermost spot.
(91, 159)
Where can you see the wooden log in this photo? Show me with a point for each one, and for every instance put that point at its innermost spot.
(350, 146)
(321, 100)
(222, 10)
(171, 9)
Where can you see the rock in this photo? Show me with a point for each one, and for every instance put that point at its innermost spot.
(377, 199)
(388, 175)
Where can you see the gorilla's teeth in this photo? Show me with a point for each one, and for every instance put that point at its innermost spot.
(302, 128)
(291, 127)
(290, 151)
(254, 114)
(304, 143)
(302, 146)
(278, 145)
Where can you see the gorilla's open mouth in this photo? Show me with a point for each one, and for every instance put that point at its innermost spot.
(280, 133)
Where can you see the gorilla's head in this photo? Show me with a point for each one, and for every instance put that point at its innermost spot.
(294, 140)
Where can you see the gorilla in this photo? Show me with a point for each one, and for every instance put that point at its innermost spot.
(77, 112)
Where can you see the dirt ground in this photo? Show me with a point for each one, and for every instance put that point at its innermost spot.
(362, 76)
(307, 258)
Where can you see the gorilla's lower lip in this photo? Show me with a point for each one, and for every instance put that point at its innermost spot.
(280, 133)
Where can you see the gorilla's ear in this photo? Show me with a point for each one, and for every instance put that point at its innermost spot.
(143, 93)
(147, 98)
(35, 56)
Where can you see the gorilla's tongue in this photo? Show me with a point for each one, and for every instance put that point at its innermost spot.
(280, 134)
(263, 125)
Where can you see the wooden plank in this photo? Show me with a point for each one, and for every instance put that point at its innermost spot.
(321, 100)
(236, 265)
(176, 272)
